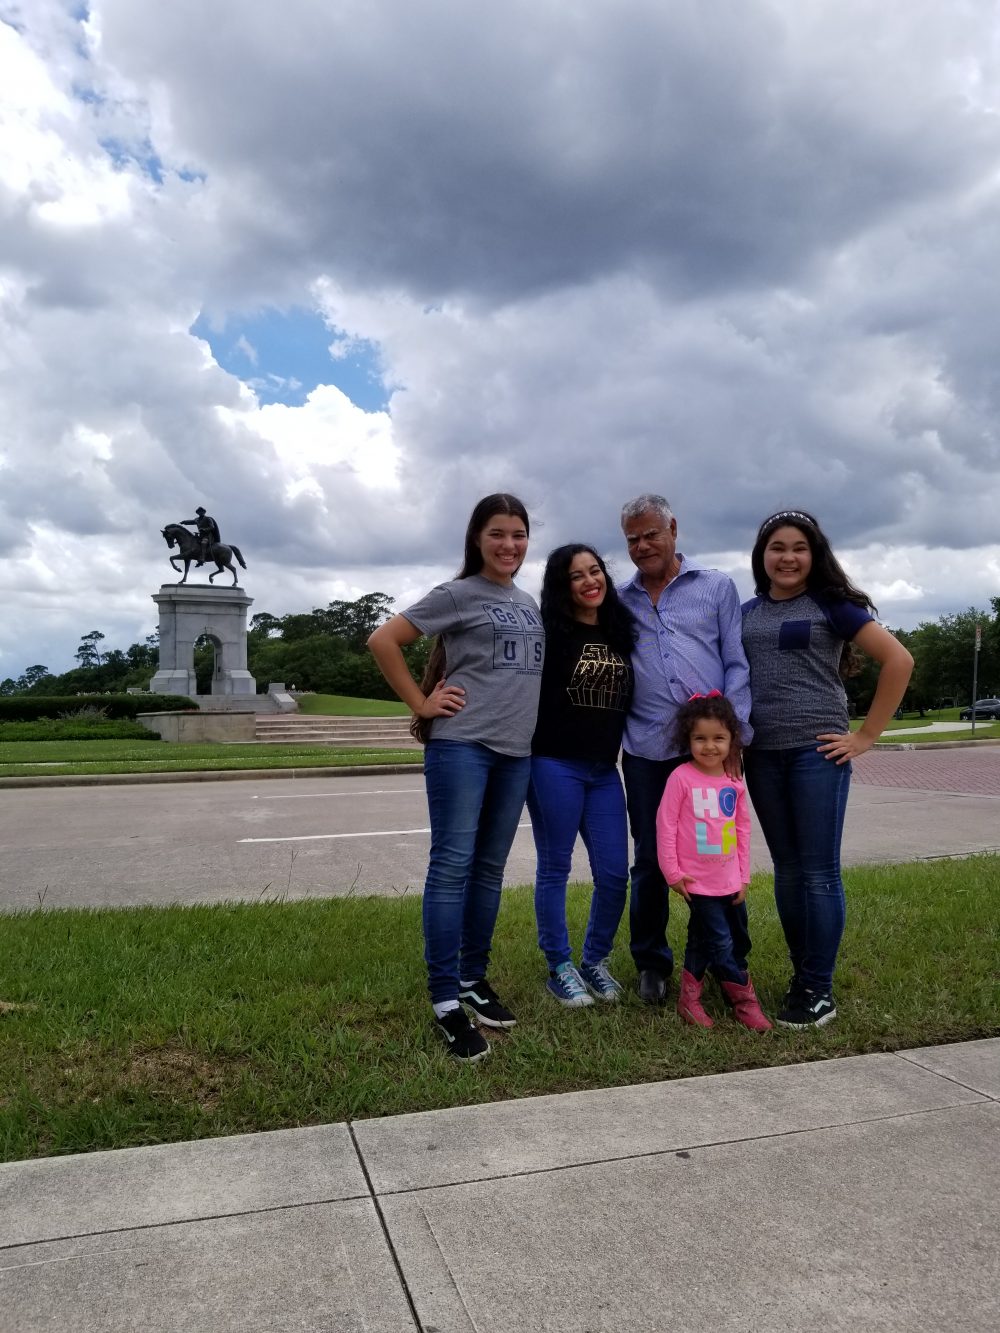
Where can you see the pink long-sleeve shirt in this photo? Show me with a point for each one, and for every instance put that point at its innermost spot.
(703, 830)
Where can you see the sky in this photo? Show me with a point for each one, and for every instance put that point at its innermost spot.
(336, 271)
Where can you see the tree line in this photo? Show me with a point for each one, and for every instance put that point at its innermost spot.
(324, 650)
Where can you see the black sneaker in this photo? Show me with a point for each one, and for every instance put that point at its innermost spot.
(795, 995)
(464, 1041)
(809, 1009)
(484, 1002)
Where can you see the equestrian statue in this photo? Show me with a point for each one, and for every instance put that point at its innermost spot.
(206, 546)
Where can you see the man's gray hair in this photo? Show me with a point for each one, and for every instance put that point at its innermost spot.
(646, 504)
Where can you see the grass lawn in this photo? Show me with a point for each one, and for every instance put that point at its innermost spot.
(912, 722)
(341, 705)
(138, 1026)
(985, 731)
(33, 758)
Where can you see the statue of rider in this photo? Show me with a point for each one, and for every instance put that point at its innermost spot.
(208, 532)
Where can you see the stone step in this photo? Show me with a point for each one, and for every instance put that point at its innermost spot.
(373, 731)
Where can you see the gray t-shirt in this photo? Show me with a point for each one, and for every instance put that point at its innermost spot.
(794, 647)
(494, 647)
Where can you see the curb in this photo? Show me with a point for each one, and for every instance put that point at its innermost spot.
(208, 775)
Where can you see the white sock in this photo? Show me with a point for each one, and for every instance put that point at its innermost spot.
(445, 1007)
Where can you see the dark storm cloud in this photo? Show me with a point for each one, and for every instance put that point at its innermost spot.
(496, 152)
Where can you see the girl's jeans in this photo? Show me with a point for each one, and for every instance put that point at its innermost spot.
(717, 938)
(800, 799)
(475, 797)
(567, 797)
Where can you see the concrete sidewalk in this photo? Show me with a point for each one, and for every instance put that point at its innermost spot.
(859, 1194)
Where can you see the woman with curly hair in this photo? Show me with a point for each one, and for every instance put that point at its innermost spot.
(575, 786)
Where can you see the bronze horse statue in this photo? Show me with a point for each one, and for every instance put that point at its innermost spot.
(189, 550)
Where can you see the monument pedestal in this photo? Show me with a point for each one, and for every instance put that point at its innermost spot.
(188, 614)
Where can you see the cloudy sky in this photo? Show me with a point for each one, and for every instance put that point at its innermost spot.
(335, 270)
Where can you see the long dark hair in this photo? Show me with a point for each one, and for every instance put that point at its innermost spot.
(826, 579)
(472, 563)
(714, 706)
(613, 617)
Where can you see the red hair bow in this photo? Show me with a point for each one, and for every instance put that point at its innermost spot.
(712, 694)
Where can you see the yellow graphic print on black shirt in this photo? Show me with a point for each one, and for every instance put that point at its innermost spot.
(601, 679)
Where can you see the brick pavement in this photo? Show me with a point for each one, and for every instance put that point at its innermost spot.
(964, 772)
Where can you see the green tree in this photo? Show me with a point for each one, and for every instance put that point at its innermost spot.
(88, 654)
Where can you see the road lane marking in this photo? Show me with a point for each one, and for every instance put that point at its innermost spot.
(373, 833)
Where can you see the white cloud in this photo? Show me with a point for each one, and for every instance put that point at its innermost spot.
(743, 255)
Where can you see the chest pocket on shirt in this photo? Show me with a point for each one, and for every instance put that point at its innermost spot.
(794, 634)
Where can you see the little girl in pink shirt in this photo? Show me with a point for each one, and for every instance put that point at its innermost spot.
(703, 846)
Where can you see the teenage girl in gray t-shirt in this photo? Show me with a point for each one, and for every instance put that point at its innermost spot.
(475, 711)
(797, 635)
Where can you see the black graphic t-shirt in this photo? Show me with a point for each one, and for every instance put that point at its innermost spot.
(586, 693)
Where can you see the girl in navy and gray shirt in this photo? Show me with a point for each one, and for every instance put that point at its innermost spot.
(799, 635)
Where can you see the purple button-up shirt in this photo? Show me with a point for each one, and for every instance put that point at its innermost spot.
(689, 643)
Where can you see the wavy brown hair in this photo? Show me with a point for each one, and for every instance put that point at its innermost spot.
(716, 707)
(827, 578)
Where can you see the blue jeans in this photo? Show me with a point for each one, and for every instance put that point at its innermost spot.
(717, 938)
(567, 797)
(649, 908)
(475, 797)
(800, 799)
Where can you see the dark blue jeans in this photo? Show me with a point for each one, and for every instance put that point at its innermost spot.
(475, 797)
(718, 938)
(800, 799)
(649, 908)
(567, 797)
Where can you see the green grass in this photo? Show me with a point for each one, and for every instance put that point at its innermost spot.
(912, 722)
(73, 729)
(152, 1025)
(341, 705)
(56, 758)
(985, 731)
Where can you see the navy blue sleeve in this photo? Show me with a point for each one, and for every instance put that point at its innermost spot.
(844, 618)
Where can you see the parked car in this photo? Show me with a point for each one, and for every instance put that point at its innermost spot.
(984, 708)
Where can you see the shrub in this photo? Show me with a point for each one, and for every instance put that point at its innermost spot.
(76, 729)
(28, 707)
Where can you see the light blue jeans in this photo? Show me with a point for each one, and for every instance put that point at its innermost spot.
(569, 797)
(475, 797)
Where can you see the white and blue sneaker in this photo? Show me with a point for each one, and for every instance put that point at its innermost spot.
(566, 984)
(600, 982)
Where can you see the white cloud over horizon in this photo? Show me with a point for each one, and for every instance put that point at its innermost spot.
(742, 255)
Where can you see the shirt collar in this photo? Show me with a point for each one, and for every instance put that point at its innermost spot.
(687, 567)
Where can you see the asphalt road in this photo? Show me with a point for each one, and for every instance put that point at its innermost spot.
(330, 836)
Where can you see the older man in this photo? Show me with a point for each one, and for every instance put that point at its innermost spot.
(689, 643)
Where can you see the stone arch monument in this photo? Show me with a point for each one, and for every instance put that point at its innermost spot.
(188, 614)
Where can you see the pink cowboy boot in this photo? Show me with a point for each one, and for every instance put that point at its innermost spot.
(689, 1002)
(746, 1006)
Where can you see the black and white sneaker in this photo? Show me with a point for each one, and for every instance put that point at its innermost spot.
(807, 1009)
(464, 1041)
(482, 999)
